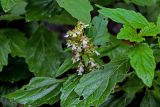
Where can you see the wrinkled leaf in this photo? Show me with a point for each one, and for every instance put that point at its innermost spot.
(96, 86)
(43, 53)
(127, 17)
(4, 50)
(98, 31)
(128, 33)
(80, 9)
(40, 90)
(143, 61)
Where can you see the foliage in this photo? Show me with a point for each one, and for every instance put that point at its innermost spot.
(117, 53)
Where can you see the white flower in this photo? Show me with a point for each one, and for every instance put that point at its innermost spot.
(78, 32)
(77, 57)
(84, 43)
(73, 60)
(80, 69)
(97, 53)
(68, 44)
(66, 36)
(74, 47)
(79, 49)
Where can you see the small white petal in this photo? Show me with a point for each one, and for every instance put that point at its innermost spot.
(66, 36)
(97, 53)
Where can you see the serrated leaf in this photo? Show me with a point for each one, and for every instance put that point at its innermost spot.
(40, 90)
(133, 84)
(4, 50)
(10, 17)
(150, 30)
(41, 9)
(96, 86)
(17, 41)
(67, 64)
(142, 2)
(127, 17)
(98, 31)
(143, 61)
(129, 33)
(5, 89)
(68, 96)
(149, 100)
(7, 5)
(80, 9)
(43, 53)
(114, 101)
(19, 8)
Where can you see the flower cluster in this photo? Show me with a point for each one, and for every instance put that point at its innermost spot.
(81, 46)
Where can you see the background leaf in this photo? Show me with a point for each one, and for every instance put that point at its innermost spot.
(80, 9)
(43, 53)
(127, 17)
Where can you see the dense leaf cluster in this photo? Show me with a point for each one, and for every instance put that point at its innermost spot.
(124, 32)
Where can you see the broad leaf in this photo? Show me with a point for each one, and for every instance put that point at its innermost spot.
(150, 30)
(143, 61)
(128, 33)
(6, 89)
(133, 84)
(98, 31)
(67, 64)
(96, 86)
(17, 41)
(68, 96)
(120, 101)
(43, 53)
(149, 100)
(127, 17)
(4, 50)
(41, 9)
(40, 90)
(142, 2)
(7, 5)
(80, 9)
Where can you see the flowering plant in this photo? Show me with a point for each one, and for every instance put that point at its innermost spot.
(80, 53)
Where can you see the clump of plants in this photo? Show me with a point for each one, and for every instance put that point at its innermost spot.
(80, 53)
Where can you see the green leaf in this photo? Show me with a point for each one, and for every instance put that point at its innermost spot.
(150, 30)
(4, 50)
(98, 31)
(19, 8)
(67, 64)
(143, 61)
(80, 9)
(114, 101)
(63, 19)
(43, 53)
(41, 9)
(95, 87)
(142, 2)
(68, 96)
(149, 100)
(129, 33)
(40, 90)
(7, 5)
(133, 84)
(5, 89)
(17, 41)
(158, 21)
(127, 17)
(10, 17)
(15, 71)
